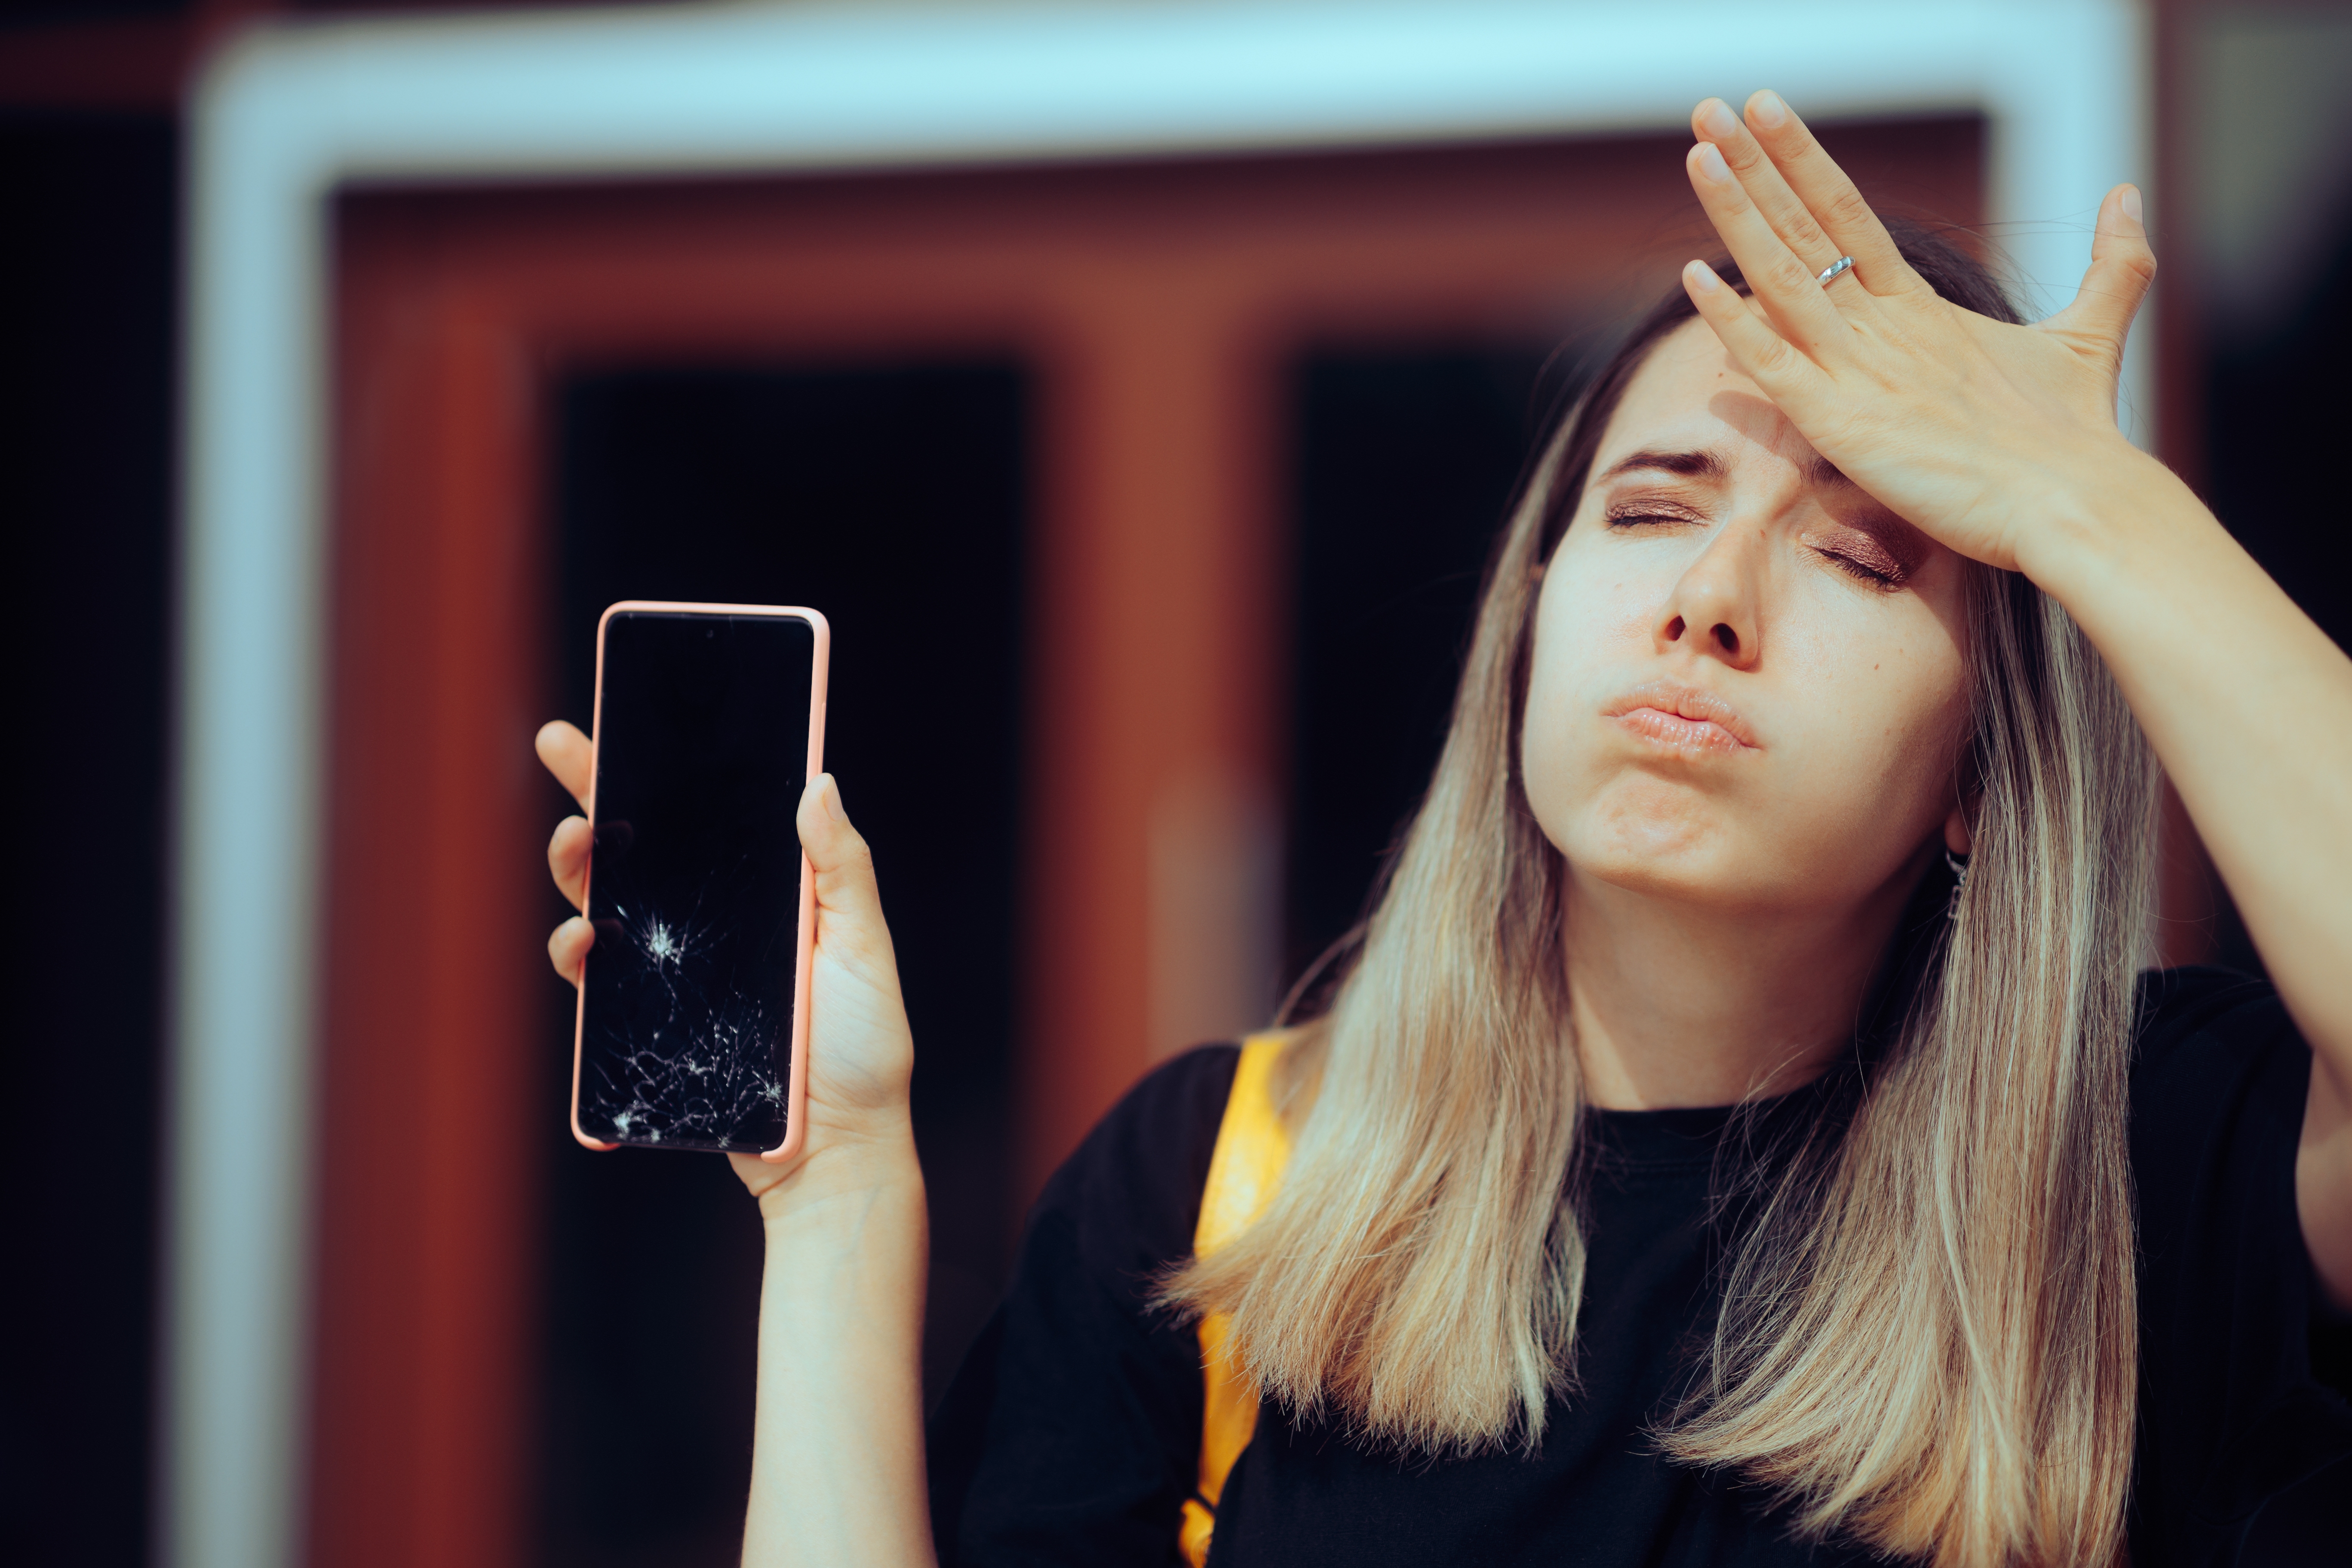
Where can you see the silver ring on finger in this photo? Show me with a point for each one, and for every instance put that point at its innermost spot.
(1835, 270)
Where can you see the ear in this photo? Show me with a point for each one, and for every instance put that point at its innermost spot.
(1955, 832)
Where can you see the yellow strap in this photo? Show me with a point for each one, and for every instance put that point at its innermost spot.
(1244, 1170)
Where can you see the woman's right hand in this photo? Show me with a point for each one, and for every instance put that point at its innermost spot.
(861, 1053)
(841, 1300)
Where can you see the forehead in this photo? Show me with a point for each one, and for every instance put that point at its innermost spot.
(1688, 395)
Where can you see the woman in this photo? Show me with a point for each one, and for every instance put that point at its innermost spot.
(1798, 768)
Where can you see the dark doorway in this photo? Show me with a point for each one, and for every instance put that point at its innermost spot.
(87, 313)
(1406, 461)
(2277, 409)
(894, 499)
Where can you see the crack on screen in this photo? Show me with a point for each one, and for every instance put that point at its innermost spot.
(704, 1074)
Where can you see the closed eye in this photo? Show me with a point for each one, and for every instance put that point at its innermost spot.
(1650, 514)
(1873, 556)
(1860, 571)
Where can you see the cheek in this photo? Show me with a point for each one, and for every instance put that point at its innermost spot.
(1599, 600)
(1593, 623)
(1885, 716)
(1595, 612)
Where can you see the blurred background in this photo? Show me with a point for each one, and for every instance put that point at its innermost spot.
(1148, 498)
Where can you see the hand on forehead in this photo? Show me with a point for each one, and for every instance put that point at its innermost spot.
(1688, 396)
(1690, 412)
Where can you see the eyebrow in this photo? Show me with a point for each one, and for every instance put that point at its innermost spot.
(1702, 465)
(1691, 465)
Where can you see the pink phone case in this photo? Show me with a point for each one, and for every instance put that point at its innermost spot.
(796, 1082)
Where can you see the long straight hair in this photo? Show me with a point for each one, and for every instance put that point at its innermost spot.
(1928, 1341)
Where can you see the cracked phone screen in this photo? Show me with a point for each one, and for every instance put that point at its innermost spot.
(694, 884)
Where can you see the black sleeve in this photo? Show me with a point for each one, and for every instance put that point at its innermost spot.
(2230, 1414)
(1072, 1432)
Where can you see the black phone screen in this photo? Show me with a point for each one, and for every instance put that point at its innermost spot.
(702, 728)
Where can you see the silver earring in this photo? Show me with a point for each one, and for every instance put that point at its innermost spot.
(1960, 879)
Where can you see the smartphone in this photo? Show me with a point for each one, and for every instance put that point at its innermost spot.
(693, 1021)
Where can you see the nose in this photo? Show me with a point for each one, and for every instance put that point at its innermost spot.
(1712, 608)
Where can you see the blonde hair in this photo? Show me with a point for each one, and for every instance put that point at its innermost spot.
(1927, 1342)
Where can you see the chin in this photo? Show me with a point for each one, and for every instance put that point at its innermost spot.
(1667, 840)
(1664, 847)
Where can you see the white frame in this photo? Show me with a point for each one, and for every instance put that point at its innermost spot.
(293, 111)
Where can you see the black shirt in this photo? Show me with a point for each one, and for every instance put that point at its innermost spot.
(1072, 1433)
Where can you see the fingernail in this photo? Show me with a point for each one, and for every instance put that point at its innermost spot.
(1711, 164)
(1702, 278)
(833, 800)
(1767, 109)
(2131, 204)
(1716, 119)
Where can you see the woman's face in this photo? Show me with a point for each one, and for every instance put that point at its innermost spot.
(1748, 687)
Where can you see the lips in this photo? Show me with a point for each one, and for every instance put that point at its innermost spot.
(1681, 718)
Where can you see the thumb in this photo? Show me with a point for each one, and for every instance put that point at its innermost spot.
(2122, 266)
(846, 893)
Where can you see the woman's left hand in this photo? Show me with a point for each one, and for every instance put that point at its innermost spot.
(1971, 429)
(2000, 441)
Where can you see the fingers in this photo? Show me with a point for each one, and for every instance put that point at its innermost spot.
(2123, 265)
(567, 947)
(846, 889)
(1762, 354)
(1714, 121)
(1852, 228)
(567, 859)
(1782, 281)
(570, 757)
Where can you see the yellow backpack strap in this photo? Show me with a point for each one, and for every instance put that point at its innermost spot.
(1244, 1170)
